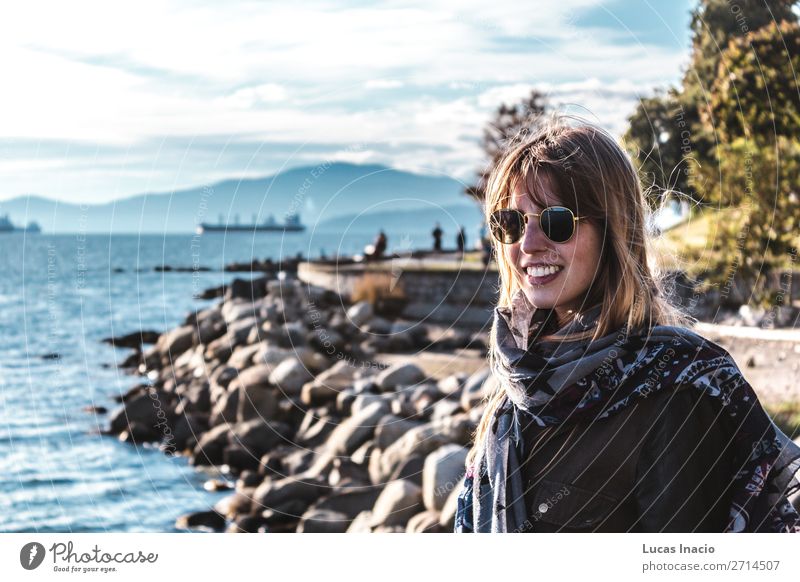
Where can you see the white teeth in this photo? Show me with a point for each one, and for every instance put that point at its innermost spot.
(543, 271)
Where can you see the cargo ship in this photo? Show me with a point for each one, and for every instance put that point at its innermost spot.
(291, 224)
(7, 226)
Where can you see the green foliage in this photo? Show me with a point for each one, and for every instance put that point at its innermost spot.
(755, 93)
(755, 111)
(657, 140)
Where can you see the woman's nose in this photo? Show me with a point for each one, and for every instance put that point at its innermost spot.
(533, 241)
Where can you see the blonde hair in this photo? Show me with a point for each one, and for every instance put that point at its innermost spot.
(595, 178)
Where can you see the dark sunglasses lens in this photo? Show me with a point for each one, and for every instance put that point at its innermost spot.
(507, 226)
(558, 224)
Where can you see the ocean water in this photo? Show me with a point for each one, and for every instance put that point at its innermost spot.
(61, 294)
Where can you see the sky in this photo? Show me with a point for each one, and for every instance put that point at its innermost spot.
(101, 100)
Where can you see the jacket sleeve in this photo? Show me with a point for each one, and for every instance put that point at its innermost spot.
(685, 469)
(463, 519)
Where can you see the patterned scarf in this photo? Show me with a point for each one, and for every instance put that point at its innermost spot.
(563, 381)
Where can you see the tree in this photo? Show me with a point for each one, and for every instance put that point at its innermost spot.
(654, 139)
(755, 110)
(668, 137)
(510, 124)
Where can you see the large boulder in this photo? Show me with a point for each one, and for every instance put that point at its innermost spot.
(443, 472)
(399, 376)
(423, 440)
(149, 408)
(258, 436)
(290, 376)
(424, 522)
(477, 387)
(356, 430)
(323, 521)
(390, 428)
(398, 501)
(211, 446)
(273, 493)
(360, 313)
(327, 385)
(173, 343)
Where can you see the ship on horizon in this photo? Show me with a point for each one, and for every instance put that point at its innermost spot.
(7, 226)
(291, 224)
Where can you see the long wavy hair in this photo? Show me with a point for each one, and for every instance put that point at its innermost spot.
(594, 177)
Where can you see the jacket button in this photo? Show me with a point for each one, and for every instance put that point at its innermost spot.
(543, 508)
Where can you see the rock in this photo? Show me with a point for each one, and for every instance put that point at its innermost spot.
(390, 428)
(195, 398)
(323, 521)
(476, 388)
(201, 520)
(133, 340)
(327, 385)
(424, 522)
(444, 471)
(237, 458)
(138, 432)
(423, 440)
(302, 489)
(209, 449)
(398, 501)
(363, 453)
(314, 362)
(149, 408)
(258, 436)
(361, 401)
(315, 429)
(242, 357)
(452, 385)
(356, 430)
(361, 524)
(225, 409)
(399, 375)
(247, 289)
(256, 402)
(188, 427)
(444, 409)
(290, 376)
(233, 505)
(173, 343)
(360, 313)
(423, 397)
(410, 469)
(348, 501)
(248, 524)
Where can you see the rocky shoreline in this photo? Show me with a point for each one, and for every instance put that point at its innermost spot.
(322, 411)
(280, 386)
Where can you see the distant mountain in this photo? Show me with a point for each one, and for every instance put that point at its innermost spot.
(318, 193)
(451, 218)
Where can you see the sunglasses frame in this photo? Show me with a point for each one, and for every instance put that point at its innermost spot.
(525, 216)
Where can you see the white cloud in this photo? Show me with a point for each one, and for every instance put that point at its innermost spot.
(383, 84)
(133, 74)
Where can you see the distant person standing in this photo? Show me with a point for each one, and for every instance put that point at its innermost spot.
(376, 249)
(461, 240)
(485, 245)
(437, 238)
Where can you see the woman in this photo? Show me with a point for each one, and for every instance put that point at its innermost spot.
(609, 413)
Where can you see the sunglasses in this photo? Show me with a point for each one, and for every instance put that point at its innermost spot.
(557, 223)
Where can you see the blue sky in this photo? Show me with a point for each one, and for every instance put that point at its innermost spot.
(102, 101)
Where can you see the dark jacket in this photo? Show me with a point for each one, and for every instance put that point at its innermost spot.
(663, 464)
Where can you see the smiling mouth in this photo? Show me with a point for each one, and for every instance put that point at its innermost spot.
(543, 271)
